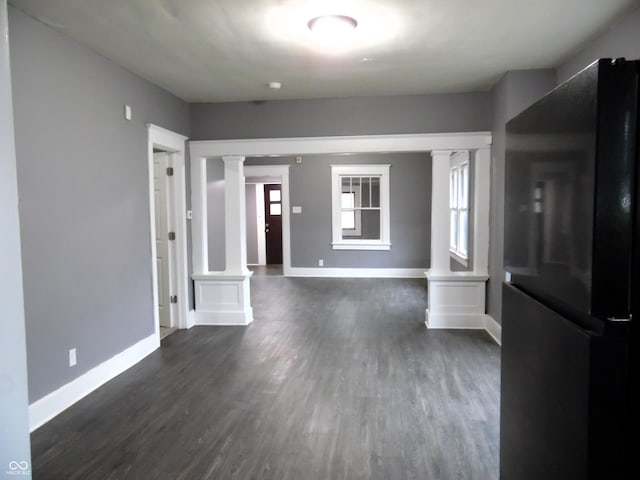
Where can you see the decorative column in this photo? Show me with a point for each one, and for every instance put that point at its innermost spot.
(235, 224)
(440, 262)
(457, 299)
(223, 298)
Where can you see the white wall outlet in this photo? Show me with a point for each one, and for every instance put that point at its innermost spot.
(507, 276)
(321, 263)
(73, 359)
(189, 214)
(297, 209)
(127, 112)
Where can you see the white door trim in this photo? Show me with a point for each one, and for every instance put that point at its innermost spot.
(281, 171)
(174, 144)
(261, 224)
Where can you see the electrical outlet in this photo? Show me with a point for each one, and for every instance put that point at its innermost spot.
(321, 263)
(73, 359)
(127, 112)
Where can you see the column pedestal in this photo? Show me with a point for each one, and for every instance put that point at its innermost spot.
(223, 299)
(456, 300)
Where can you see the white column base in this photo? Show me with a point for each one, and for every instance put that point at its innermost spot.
(456, 300)
(222, 299)
(452, 321)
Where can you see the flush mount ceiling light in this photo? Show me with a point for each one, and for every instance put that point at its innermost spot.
(333, 27)
(330, 25)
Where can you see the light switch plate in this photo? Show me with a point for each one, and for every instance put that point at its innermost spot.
(73, 359)
(297, 209)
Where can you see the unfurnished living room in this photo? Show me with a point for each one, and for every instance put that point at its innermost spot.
(280, 239)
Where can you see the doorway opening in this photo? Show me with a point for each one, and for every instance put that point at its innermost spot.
(267, 219)
(264, 225)
(167, 221)
(273, 223)
(165, 249)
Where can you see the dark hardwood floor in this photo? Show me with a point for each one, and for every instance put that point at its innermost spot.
(335, 379)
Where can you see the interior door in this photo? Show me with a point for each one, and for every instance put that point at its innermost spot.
(160, 164)
(273, 223)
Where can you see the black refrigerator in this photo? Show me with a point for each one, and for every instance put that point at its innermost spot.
(572, 262)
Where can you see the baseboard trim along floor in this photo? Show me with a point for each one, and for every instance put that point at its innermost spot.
(44, 409)
(355, 272)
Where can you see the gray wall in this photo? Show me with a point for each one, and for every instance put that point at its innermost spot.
(84, 202)
(410, 199)
(14, 418)
(465, 112)
(622, 39)
(515, 91)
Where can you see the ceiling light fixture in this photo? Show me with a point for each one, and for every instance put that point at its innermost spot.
(330, 25)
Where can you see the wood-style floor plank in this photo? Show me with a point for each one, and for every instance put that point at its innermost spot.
(335, 379)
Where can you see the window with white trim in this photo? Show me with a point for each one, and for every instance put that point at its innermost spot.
(360, 207)
(459, 210)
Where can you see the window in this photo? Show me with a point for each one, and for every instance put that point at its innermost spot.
(360, 207)
(459, 210)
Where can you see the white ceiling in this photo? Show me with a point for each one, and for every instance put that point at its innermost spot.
(228, 50)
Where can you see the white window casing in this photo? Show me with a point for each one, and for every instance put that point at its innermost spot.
(338, 172)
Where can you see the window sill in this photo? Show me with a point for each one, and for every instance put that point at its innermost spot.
(361, 246)
(464, 261)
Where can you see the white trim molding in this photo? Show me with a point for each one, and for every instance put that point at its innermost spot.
(375, 171)
(357, 272)
(341, 144)
(494, 329)
(44, 409)
(174, 144)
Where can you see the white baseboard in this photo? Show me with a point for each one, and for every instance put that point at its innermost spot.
(356, 272)
(494, 329)
(467, 322)
(191, 321)
(471, 321)
(224, 318)
(44, 409)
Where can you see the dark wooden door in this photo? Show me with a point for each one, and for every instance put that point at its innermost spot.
(273, 223)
